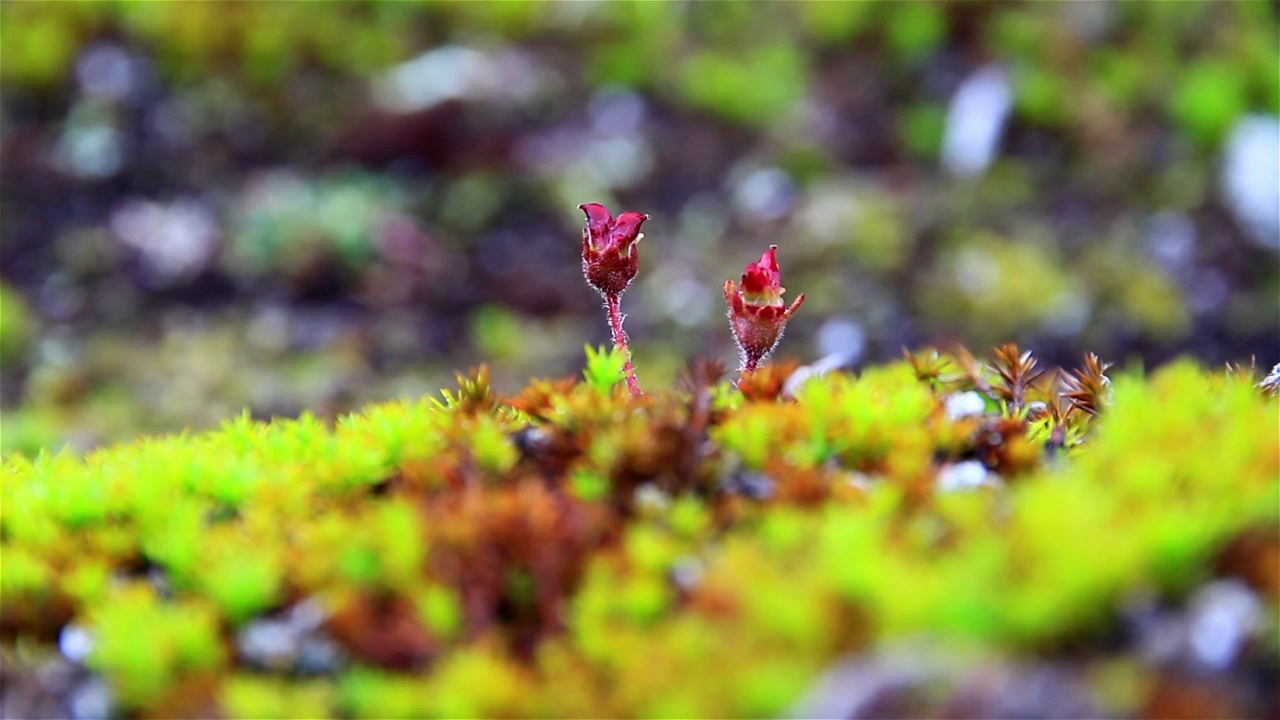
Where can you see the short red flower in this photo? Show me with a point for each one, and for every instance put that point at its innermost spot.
(757, 313)
(609, 258)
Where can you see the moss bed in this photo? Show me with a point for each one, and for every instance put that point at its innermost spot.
(937, 536)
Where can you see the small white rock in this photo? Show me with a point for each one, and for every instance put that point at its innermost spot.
(92, 699)
(651, 499)
(75, 643)
(975, 122)
(965, 404)
(1223, 616)
(965, 476)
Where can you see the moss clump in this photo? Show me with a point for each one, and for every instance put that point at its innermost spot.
(707, 551)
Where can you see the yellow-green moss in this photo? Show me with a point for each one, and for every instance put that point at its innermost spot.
(576, 551)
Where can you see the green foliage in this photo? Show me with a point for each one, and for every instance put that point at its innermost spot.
(922, 129)
(288, 224)
(1013, 284)
(15, 325)
(1210, 96)
(745, 62)
(498, 332)
(915, 28)
(754, 86)
(576, 551)
(265, 41)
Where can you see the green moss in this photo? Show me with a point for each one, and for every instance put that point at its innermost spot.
(440, 609)
(251, 697)
(604, 368)
(242, 576)
(181, 640)
(25, 574)
(577, 551)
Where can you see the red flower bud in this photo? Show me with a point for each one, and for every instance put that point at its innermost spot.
(609, 258)
(757, 313)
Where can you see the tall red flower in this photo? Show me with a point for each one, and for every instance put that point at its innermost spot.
(757, 313)
(610, 263)
(609, 258)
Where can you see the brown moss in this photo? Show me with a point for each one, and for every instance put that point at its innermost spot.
(1254, 556)
(514, 553)
(383, 629)
(766, 383)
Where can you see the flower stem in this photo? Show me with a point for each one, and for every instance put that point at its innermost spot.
(612, 302)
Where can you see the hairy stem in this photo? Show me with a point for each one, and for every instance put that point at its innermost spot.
(612, 302)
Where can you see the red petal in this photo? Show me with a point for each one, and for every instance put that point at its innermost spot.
(763, 276)
(769, 259)
(626, 230)
(599, 220)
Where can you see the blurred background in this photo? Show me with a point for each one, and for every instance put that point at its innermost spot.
(211, 206)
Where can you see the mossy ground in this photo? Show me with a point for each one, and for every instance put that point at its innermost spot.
(705, 551)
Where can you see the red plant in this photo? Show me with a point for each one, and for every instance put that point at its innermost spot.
(757, 313)
(609, 264)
